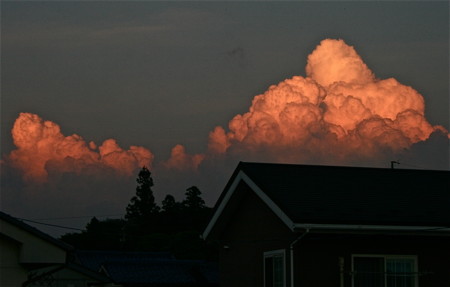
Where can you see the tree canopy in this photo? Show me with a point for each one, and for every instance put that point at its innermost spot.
(175, 227)
(142, 206)
(193, 199)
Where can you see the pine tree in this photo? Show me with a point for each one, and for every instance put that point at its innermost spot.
(142, 206)
(169, 204)
(193, 200)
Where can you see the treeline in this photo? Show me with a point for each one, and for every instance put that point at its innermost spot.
(174, 227)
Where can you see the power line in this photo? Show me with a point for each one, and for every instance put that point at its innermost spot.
(79, 217)
(35, 221)
(51, 225)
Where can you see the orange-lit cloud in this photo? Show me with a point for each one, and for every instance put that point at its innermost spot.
(180, 160)
(40, 143)
(339, 110)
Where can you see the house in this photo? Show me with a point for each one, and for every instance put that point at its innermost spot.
(29, 257)
(283, 225)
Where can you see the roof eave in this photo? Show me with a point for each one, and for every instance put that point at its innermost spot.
(242, 176)
(367, 227)
(34, 231)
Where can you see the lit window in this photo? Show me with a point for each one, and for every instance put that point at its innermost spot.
(384, 271)
(274, 269)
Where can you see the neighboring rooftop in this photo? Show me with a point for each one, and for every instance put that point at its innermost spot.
(30, 229)
(94, 259)
(149, 268)
(160, 272)
(309, 194)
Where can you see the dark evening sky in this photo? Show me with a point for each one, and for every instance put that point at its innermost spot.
(162, 74)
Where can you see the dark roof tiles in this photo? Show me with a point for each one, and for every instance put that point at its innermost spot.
(150, 272)
(352, 195)
(94, 259)
(149, 268)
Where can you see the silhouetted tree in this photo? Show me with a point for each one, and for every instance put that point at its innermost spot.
(142, 211)
(193, 200)
(169, 204)
(93, 225)
(99, 235)
(175, 228)
(170, 219)
(142, 206)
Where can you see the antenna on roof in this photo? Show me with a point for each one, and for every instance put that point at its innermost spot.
(394, 162)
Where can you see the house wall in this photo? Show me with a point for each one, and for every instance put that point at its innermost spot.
(252, 230)
(19, 247)
(317, 257)
(12, 274)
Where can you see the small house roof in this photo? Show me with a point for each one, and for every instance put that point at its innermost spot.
(149, 268)
(30, 229)
(334, 195)
(98, 277)
(94, 259)
(161, 272)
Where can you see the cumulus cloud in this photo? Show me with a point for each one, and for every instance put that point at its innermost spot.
(339, 113)
(180, 160)
(334, 61)
(41, 145)
(340, 110)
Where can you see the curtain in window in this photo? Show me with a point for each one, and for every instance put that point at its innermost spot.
(278, 270)
(400, 272)
(368, 272)
(268, 272)
(383, 272)
(274, 271)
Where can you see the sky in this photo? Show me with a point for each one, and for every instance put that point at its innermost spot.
(91, 91)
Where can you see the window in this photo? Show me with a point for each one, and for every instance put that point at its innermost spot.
(274, 274)
(384, 271)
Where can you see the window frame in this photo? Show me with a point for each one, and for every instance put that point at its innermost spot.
(385, 257)
(275, 253)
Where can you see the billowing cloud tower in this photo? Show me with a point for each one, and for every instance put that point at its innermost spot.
(339, 110)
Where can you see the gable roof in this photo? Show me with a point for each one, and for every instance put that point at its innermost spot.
(331, 196)
(25, 227)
